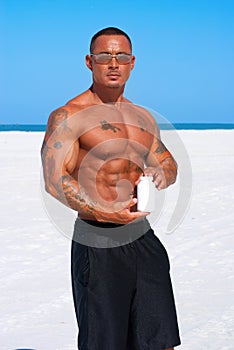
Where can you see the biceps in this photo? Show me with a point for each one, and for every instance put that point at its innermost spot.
(71, 158)
(58, 157)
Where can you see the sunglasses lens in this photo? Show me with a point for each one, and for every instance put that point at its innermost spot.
(105, 58)
(122, 58)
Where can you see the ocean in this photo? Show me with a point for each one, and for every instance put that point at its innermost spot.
(177, 126)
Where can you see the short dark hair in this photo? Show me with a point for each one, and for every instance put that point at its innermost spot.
(109, 31)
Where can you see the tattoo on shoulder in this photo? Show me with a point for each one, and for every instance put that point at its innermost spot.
(160, 148)
(58, 118)
(107, 126)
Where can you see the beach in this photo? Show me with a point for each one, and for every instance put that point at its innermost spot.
(36, 307)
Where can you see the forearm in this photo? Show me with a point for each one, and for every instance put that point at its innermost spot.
(169, 168)
(75, 197)
(164, 172)
(64, 187)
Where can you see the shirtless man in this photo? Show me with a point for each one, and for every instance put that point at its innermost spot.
(96, 147)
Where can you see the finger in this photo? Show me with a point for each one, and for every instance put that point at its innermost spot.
(132, 202)
(138, 181)
(143, 213)
(119, 206)
(129, 203)
(148, 170)
(139, 214)
(157, 180)
(161, 184)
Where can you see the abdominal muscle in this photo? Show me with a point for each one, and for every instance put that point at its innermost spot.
(110, 181)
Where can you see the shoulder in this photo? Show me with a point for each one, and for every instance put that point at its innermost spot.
(65, 112)
(80, 102)
(145, 119)
(58, 118)
(151, 121)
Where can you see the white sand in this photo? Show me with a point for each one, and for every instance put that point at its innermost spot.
(36, 308)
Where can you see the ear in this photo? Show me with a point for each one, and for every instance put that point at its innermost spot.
(88, 60)
(133, 62)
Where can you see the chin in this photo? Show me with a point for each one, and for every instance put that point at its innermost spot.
(114, 85)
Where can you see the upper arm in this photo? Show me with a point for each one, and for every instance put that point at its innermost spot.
(60, 148)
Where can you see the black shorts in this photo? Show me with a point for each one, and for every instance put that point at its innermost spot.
(123, 296)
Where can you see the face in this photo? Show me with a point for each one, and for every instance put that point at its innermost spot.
(111, 74)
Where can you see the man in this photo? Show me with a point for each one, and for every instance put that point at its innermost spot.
(95, 149)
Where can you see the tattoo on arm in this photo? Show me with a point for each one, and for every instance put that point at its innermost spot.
(107, 126)
(58, 118)
(47, 161)
(44, 151)
(74, 197)
(160, 148)
(58, 145)
(170, 170)
(50, 166)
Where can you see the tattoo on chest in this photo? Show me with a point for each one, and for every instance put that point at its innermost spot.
(107, 126)
(141, 123)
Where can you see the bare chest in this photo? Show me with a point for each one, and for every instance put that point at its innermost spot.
(115, 139)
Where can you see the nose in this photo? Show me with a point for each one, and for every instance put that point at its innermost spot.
(113, 62)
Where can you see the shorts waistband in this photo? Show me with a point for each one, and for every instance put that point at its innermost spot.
(107, 234)
(102, 224)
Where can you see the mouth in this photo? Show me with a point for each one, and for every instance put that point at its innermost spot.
(113, 75)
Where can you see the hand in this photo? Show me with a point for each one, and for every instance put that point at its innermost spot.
(119, 213)
(158, 175)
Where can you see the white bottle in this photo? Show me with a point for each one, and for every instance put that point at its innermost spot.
(145, 194)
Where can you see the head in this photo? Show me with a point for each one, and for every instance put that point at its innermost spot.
(109, 31)
(110, 58)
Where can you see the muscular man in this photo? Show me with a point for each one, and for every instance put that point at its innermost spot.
(95, 149)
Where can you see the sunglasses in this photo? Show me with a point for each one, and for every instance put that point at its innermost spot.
(104, 58)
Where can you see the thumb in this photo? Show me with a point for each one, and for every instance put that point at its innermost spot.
(132, 202)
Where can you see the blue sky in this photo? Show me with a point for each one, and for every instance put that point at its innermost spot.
(184, 56)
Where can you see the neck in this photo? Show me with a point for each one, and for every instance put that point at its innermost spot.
(108, 94)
